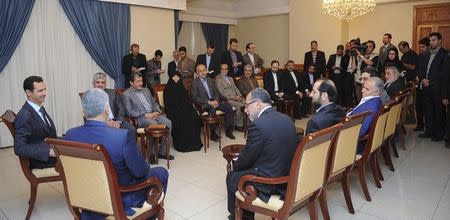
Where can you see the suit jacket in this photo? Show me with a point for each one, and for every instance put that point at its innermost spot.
(31, 131)
(327, 116)
(372, 105)
(130, 166)
(171, 67)
(199, 93)
(213, 64)
(437, 73)
(244, 85)
(270, 147)
(395, 87)
(133, 105)
(320, 61)
(115, 103)
(383, 54)
(269, 84)
(305, 79)
(288, 83)
(187, 67)
(128, 62)
(332, 62)
(226, 58)
(228, 90)
(259, 62)
(446, 81)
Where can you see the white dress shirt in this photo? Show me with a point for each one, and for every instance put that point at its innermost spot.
(37, 108)
(294, 78)
(252, 58)
(208, 61)
(337, 64)
(311, 78)
(275, 81)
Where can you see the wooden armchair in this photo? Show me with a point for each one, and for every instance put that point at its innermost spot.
(340, 166)
(304, 184)
(90, 182)
(403, 115)
(158, 91)
(34, 176)
(389, 132)
(374, 140)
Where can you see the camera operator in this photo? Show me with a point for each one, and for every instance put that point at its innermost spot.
(369, 58)
(354, 67)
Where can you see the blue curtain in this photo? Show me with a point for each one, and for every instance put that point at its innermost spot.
(104, 29)
(14, 17)
(217, 34)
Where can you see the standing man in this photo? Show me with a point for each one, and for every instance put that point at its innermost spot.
(154, 70)
(33, 125)
(186, 67)
(270, 147)
(315, 57)
(229, 91)
(337, 68)
(409, 61)
(233, 58)
(432, 81)
(172, 67)
(205, 94)
(210, 60)
(383, 52)
(133, 62)
(421, 68)
(139, 103)
(252, 58)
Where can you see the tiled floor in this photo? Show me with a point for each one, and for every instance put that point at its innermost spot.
(418, 189)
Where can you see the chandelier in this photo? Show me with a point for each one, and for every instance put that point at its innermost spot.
(347, 9)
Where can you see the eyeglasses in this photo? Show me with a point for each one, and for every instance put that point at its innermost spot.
(247, 104)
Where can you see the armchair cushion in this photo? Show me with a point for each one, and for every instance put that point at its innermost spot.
(275, 203)
(46, 172)
(145, 207)
(218, 112)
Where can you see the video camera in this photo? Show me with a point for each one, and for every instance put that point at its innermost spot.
(357, 46)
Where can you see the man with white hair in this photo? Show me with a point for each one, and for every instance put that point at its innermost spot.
(269, 150)
(370, 101)
(130, 166)
(394, 82)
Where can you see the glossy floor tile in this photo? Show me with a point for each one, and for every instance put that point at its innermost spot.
(418, 189)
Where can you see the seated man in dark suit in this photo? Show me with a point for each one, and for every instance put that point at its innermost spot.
(139, 103)
(205, 94)
(116, 113)
(308, 78)
(210, 60)
(323, 95)
(33, 125)
(272, 81)
(130, 166)
(293, 89)
(370, 101)
(270, 147)
(247, 82)
(394, 82)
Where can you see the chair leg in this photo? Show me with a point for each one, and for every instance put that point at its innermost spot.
(33, 194)
(373, 167)
(220, 137)
(168, 150)
(346, 190)
(238, 213)
(380, 174)
(387, 156)
(161, 214)
(394, 147)
(324, 205)
(205, 136)
(362, 180)
(312, 210)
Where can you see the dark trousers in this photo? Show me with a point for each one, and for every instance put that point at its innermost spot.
(232, 185)
(349, 87)
(300, 104)
(419, 108)
(338, 80)
(435, 114)
(225, 107)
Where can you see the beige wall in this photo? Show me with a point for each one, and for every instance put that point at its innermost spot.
(152, 29)
(396, 19)
(269, 33)
(307, 23)
(232, 31)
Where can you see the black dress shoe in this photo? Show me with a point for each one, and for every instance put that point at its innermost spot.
(163, 156)
(152, 159)
(240, 129)
(424, 135)
(215, 137)
(418, 129)
(230, 135)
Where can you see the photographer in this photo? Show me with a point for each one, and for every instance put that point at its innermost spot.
(369, 58)
(354, 67)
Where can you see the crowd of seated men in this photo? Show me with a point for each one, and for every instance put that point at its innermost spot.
(360, 79)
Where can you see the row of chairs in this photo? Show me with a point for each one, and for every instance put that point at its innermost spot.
(327, 156)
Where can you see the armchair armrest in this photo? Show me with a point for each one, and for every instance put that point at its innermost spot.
(250, 193)
(153, 193)
(365, 138)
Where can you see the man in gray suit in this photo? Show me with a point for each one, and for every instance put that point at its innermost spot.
(252, 58)
(204, 93)
(383, 53)
(116, 113)
(139, 103)
(229, 91)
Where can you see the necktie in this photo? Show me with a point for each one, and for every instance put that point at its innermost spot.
(45, 116)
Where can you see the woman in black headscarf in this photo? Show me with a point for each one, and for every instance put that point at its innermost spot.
(186, 122)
